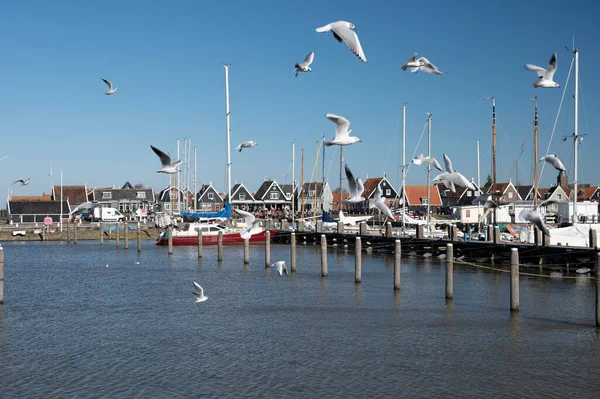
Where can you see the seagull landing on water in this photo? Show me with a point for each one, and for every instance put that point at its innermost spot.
(252, 224)
(246, 144)
(430, 160)
(199, 293)
(304, 66)
(344, 32)
(554, 161)
(23, 182)
(280, 266)
(355, 188)
(110, 87)
(379, 202)
(165, 160)
(545, 76)
(342, 131)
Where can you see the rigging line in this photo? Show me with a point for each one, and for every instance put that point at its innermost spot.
(518, 158)
(416, 149)
(331, 160)
(583, 103)
(556, 121)
(288, 172)
(316, 163)
(387, 157)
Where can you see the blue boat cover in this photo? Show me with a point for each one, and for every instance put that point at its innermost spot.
(224, 213)
(327, 218)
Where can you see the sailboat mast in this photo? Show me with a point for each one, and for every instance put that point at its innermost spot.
(403, 168)
(228, 126)
(428, 166)
(478, 184)
(535, 154)
(195, 181)
(494, 152)
(293, 182)
(575, 134)
(316, 178)
(341, 187)
(302, 206)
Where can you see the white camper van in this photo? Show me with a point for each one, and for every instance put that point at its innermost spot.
(107, 215)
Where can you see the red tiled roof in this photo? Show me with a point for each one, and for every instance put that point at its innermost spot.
(587, 194)
(74, 194)
(497, 188)
(415, 193)
(371, 185)
(336, 197)
(43, 197)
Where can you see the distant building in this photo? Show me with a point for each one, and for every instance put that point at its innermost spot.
(209, 199)
(36, 210)
(127, 199)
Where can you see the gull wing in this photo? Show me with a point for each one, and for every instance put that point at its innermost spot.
(429, 67)
(436, 164)
(361, 186)
(199, 291)
(308, 60)
(352, 186)
(165, 160)
(551, 68)
(248, 217)
(349, 37)
(541, 72)
(448, 163)
(342, 125)
(107, 83)
(378, 194)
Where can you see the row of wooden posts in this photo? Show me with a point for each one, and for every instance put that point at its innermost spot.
(117, 238)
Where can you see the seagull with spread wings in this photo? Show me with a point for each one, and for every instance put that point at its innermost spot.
(110, 87)
(304, 66)
(344, 32)
(168, 167)
(342, 131)
(545, 76)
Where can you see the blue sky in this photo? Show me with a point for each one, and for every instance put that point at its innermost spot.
(167, 60)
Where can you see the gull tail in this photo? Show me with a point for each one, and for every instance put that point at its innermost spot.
(328, 143)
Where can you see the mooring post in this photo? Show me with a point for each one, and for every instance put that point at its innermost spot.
(267, 248)
(44, 233)
(514, 280)
(220, 246)
(449, 271)
(300, 225)
(118, 234)
(397, 260)
(139, 237)
(68, 232)
(323, 255)
(283, 225)
(126, 236)
(388, 229)
(74, 234)
(362, 229)
(454, 230)
(1, 275)
(537, 236)
(340, 228)
(170, 239)
(420, 232)
(496, 235)
(101, 234)
(199, 242)
(597, 286)
(246, 251)
(293, 251)
(319, 227)
(593, 238)
(490, 233)
(358, 261)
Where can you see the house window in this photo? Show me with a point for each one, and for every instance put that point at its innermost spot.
(469, 194)
(468, 213)
(242, 196)
(559, 196)
(388, 192)
(274, 196)
(211, 196)
(510, 194)
(311, 193)
(106, 195)
(423, 201)
(167, 206)
(141, 194)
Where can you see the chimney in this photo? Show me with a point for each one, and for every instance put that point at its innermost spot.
(562, 180)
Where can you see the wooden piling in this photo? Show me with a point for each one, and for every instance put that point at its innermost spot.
(319, 227)
(454, 230)
(597, 286)
(283, 225)
(420, 231)
(118, 234)
(449, 271)
(1, 275)
(246, 251)
(362, 228)
(358, 261)
(220, 246)
(125, 236)
(388, 229)
(537, 236)
(139, 237)
(169, 239)
(293, 251)
(593, 238)
(300, 225)
(496, 235)
(199, 242)
(101, 234)
(340, 228)
(74, 234)
(490, 233)
(68, 233)
(267, 248)
(514, 280)
(397, 264)
(323, 255)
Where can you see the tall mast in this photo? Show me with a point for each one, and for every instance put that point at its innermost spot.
(293, 182)
(302, 206)
(403, 168)
(175, 199)
(575, 134)
(195, 180)
(535, 154)
(478, 183)
(316, 178)
(428, 166)
(494, 152)
(228, 133)
(341, 187)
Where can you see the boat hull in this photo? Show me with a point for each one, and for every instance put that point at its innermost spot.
(212, 239)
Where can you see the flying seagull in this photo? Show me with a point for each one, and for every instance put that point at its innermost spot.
(545, 76)
(344, 32)
(23, 182)
(4, 157)
(246, 144)
(199, 293)
(355, 188)
(280, 266)
(448, 163)
(534, 216)
(165, 160)
(304, 66)
(252, 224)
(379, 202)
(430, 160)
(454, 178)
(342, 131)
(554, 161)
(110, 87)
(412, 62)
(424, 65)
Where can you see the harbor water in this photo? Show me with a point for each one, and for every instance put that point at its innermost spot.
(90, 321)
